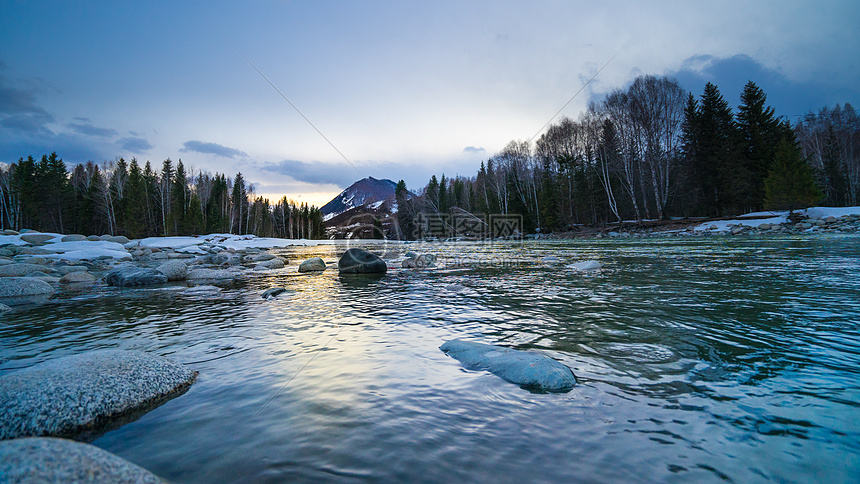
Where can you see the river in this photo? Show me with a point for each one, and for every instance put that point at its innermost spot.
(698, 359)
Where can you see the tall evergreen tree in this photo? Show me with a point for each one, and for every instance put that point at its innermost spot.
(790, 184)
(239, 201)
(25, 184)
(179, 200)
(716, 160)
(135, 196)
(759, 133)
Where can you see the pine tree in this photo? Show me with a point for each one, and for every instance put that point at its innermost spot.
(179, 200)
(239, 201)
(717, 162)
(24, 183)
(135, 195)
(790, 184)
(759, 135)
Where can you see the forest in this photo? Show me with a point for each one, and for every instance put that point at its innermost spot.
(648, 152)
(655, 151)
(123, 198)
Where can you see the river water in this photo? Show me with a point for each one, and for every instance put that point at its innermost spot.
(705, 359)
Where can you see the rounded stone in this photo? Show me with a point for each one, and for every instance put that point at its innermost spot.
(13, 287)
(128, 276)
(41, 459)
(315, 264)
(37, 239)
(78, 277)
(119, 239)
(175, 270)
(73, 238)
(75, 394)
(360, 261)
(276, 263)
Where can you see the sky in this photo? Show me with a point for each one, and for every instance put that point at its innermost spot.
(388, 89)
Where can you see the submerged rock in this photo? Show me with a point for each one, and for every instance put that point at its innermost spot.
(42, 459)
(315, 264)
(69, 395)
(585, 266)
(272, 292)
(360, 261)
(526, 368)
(129, 276)
(14, 287)
(211, 274)
(415, 261)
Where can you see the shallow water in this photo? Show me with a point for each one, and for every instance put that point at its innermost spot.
(705, 359)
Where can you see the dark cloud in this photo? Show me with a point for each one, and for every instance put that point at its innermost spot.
(211, 149)
(473, 149)
(341, 176)
(86, 127)
(20, 112)
(788, 98)
(136, 145)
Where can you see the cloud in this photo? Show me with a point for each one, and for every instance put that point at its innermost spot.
(788, 98)
(136, 145)
(212, 149)
(320, 173)
(473, 149)
(20, 112)
(85, 127)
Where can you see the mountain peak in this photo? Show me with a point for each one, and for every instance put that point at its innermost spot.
(363, 192)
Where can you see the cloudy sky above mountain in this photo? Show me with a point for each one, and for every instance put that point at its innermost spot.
(396, 89)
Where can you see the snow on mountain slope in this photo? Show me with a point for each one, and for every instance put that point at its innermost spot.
(363, 192)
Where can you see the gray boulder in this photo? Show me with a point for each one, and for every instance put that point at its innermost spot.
(23, 287)
(41, 459)
(315, 264)
(119, 239)
(77, 278)
(175, 270)
(529, 369)
(19, 270)
(360, 261)
(37, 239)
(262, 257)
(67, 396)
(275, 263)
(129, 276)
(67, 269)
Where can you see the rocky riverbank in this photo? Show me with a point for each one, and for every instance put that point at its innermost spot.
(820, 220)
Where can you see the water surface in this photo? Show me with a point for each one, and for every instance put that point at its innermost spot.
(706, 359)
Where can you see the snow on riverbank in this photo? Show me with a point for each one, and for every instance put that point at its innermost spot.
(112, 248)
(775, 218)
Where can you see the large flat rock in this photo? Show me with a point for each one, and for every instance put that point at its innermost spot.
(23, 287)
(75, 394)
(41, 459)
(529, 369)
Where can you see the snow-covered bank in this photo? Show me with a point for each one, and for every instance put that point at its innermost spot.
(815, 219)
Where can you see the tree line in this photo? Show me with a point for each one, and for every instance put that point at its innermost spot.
(655, 151)
(123, 198)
